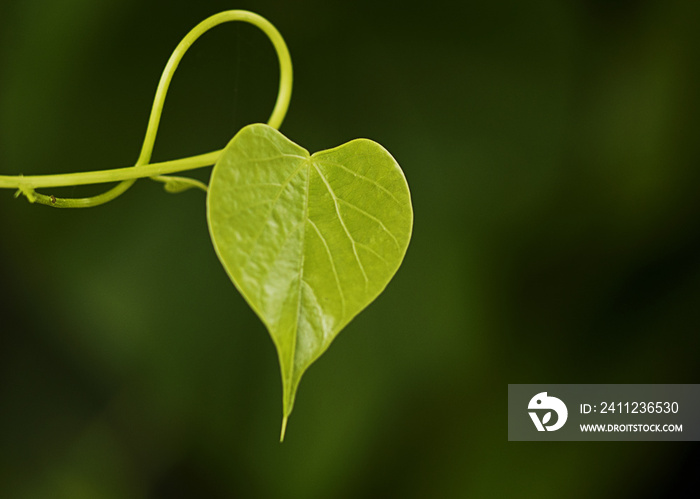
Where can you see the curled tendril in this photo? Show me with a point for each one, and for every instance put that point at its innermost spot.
(142, 168)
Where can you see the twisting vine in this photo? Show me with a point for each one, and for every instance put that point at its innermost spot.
(309, 240)
(126, 177)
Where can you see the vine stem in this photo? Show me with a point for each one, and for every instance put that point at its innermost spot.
(114, 175)
(143, 168)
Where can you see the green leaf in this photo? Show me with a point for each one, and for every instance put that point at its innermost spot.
(308, 240)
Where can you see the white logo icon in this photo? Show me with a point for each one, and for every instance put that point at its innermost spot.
(542, 401)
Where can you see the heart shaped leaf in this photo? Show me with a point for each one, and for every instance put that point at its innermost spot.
(308, 240)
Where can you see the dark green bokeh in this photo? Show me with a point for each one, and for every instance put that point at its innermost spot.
(552, 152)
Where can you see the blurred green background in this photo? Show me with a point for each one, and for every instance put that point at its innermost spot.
(552, 149)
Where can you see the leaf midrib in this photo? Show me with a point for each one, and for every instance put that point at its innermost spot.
(301, 276)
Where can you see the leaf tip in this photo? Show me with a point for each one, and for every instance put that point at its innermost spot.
(284, 427)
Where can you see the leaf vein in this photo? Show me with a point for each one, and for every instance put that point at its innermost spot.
(372, 217)
(369, 248)
(342, 223)
(335, 270)
(362, 177)
(301, 277)
(279, 250)
(311, 290)
(274, 201)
